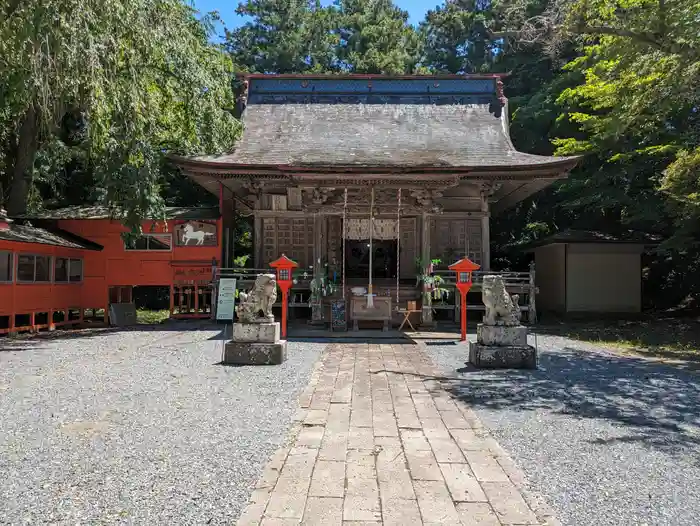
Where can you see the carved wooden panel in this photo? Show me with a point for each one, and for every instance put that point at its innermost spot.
(451, 238)
(292, 236)
(408, 248)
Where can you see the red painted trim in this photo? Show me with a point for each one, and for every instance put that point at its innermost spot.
(220, 223)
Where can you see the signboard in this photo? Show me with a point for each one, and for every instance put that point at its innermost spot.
(196, 233)
(226, 299)
(190, 275)
(338, 318)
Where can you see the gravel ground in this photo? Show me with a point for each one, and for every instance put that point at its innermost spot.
(138, 427)
(607, 440)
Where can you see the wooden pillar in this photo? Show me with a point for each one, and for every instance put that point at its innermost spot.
(532, 292)
(196, 298)
(485, 234)
(318, 242)
(220, 227)
(51, 324)
(225, 248)
(257, 242)
(231, 235)
(214, 285)
(213, 294)
(32, 321)
(318, 260)
(172, 299)
(427, 307)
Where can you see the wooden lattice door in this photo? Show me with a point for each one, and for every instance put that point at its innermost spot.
(292, 236)
(451, 238)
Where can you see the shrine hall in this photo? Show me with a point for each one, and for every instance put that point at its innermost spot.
(372, 181)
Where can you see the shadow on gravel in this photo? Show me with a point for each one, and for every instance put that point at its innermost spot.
(657, 405)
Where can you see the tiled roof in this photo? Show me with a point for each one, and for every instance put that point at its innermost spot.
(27, 233)
(102, 212)
(401, 135)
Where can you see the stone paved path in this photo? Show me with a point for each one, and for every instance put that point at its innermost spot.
(381, 442)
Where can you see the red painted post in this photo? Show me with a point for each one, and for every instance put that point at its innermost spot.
(463, 270)
(464, 317)
(284, 314)
(284, 267)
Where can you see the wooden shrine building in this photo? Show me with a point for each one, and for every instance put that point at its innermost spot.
(320, 155)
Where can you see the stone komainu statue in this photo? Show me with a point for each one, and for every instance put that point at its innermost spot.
(255, 306)
(501, 308)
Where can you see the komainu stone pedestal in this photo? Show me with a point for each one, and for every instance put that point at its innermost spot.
(502, 346)
(255, 344)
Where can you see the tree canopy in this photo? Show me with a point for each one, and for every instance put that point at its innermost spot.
(628, 99)
(103, 89)
(350, 36)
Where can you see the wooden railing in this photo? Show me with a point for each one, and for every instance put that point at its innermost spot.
(246, 277)
(521, 283)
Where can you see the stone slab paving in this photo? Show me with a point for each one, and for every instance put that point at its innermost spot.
(382, 442)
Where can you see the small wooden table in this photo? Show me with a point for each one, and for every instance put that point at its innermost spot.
(410, 309)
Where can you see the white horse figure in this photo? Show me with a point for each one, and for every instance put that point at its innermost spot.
(191, 233)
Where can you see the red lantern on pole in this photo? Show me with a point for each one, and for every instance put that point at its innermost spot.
(464, 268)
(284, 267)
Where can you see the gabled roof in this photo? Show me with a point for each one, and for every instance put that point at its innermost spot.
(384, 122)
(372, 135)
(593, 237)
(102, 212)
(27, 233)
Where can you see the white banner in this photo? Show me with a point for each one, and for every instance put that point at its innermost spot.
(226, 299)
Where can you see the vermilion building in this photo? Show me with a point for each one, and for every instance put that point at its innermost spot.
(57, 265)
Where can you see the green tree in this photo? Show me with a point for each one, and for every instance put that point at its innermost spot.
(667, 26)
(285, 36)
(628, 100)
(457, 37)
(375, 37)
(638, 106)
(107, 88)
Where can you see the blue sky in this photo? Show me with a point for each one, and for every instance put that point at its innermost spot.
(227, 9)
